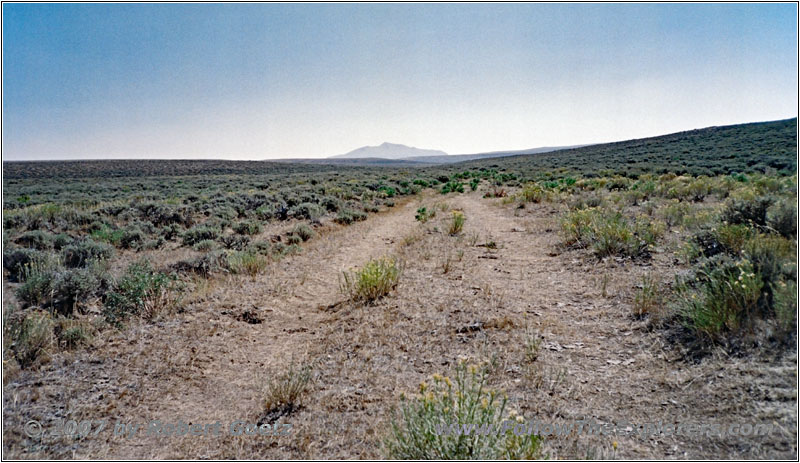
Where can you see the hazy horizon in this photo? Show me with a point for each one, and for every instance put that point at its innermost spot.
(276, 81)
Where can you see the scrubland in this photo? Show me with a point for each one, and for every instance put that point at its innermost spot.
(647, 281)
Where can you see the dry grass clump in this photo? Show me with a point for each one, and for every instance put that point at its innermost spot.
(247, 262)
(373, 281)
(284, 392)
(648, 299)
(457, 223)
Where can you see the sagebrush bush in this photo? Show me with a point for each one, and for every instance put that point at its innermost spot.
(141, 291)
(247, 227)
(782, 217)
(421, 428)
(200, 233)
(62, 240)
(306, 211)
(747, 210)
(732, 238)
(205, 245)
(73, 333)
(132, 237)
(209, 263)
(375, 280)
(36, 239)
(347, 217)
(609, 233)
(15, 260)
(74, 286)
(772, 256)
(674, 212)
(37, 286)
(81, 253)
(235, 242)
(721, 298)
(303, 231)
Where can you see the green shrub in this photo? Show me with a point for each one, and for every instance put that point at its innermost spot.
(533, 193)
(373, 281)
(205, 265)
(674, 212)
(721, 298)
(747, 210)
(425, 426)
(235, 242)
(306, 211)
(200, 233)
(452, 187)
(62, 240)
(37, 288)
(303, 231)
(36, 239)
(247, 228)
(576, 227)
(103, 232)
(732, 238)
(772, 256)
(132, 237)
(609, 233)
(15, 260)
(75, 285)
(73, 333)
(782, 217)
(347, 217)
(262, 247)
(423, 214)
(81, 253)
(141, 291)
(205, 245)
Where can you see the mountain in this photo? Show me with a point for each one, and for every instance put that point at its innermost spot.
(389, 151)
(452, 158)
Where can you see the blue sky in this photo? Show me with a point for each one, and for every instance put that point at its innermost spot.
(258, 81)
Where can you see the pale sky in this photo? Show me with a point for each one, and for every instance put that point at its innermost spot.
(266, 81)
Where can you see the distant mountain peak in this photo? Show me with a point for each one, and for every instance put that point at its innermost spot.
(388, 150)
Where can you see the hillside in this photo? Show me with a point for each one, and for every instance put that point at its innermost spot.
(753, 147)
